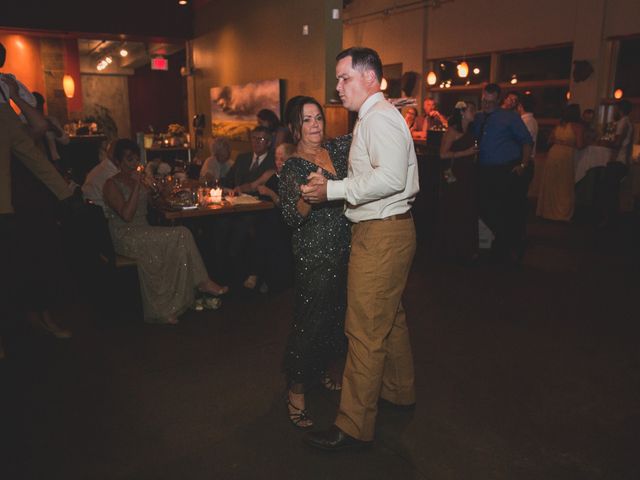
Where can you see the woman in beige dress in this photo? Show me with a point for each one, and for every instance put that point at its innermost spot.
(170, 268)
(556, 200)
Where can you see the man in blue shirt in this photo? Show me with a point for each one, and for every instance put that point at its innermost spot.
(504, 159)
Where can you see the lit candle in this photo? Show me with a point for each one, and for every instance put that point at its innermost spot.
(216, 195)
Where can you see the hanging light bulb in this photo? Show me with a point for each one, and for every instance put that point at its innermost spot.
(476, 71)
(383, 84)
(463, 69)
(431, 78)
(68, 85)
(514, 79)
(124, 52)
(618, 94)
(108, 59)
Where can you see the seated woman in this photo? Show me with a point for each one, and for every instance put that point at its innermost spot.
(217, 165)
(170, 268)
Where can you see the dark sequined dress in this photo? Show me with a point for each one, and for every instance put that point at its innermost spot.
(321, 244)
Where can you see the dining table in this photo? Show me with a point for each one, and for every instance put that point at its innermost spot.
(226, 206)
(592, 156)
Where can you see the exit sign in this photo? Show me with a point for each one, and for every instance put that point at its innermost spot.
(159, 63)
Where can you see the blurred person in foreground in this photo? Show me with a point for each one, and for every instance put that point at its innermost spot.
(16, 283)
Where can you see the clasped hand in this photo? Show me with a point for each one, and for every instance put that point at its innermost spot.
(315, 190)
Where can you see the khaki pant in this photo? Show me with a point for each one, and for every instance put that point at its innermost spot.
(15, 139)
(379, 362)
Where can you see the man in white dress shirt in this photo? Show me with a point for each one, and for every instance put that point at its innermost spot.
(381, 184)
(98, 175)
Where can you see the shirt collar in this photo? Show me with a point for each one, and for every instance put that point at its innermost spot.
(370, 102)
(261, 157)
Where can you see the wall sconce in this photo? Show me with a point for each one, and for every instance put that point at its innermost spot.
(463, 69)
(618, 94)
(69, 86)
(431, 78)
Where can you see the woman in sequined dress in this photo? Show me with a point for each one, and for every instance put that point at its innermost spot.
(321, 237)
(170, 267)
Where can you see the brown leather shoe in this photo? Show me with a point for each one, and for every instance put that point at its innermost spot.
(334, 440)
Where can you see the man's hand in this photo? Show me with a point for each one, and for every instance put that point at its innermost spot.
(519, 169)
(315, 191)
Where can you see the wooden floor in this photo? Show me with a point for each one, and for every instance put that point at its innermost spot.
(530, 373)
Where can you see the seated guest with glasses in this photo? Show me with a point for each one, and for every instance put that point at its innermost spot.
(250, 166)
(170, 268)
(245, 176)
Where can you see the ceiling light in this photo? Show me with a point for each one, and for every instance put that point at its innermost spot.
(124, 52)
(431, 78)
(568, 95)
(476, 71)
(463, 69)
(618, 94)
(182, 2)
(514, 79)
(108, 59)
(383, 84)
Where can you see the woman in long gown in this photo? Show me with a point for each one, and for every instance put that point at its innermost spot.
(457, 212)
(556, 199)
(170, 268)
(321, 240)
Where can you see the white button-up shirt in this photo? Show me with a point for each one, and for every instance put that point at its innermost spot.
(382, 179)
(96, 178)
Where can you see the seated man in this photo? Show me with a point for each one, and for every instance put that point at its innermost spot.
(250, 166)
(249, 171)
(96, 178)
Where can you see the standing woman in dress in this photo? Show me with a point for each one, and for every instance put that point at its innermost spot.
(457, 231)
(321, 238)
(556, 199)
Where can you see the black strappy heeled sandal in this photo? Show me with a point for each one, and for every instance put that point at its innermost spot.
(299, 417)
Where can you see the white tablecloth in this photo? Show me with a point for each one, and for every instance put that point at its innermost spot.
(588, 158)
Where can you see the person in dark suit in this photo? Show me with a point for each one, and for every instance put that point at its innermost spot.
(244, 175)
(242, 235)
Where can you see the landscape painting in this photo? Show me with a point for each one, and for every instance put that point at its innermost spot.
(234, 107)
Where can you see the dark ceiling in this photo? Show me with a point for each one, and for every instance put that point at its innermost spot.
(133, 19)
